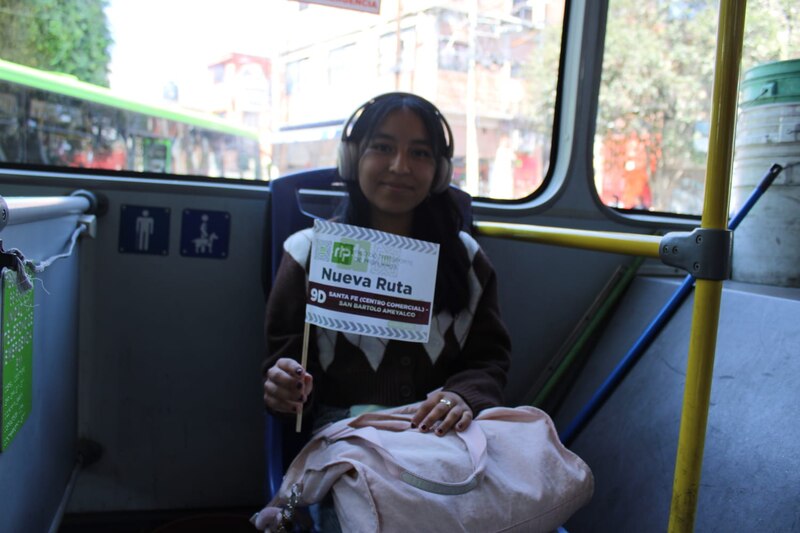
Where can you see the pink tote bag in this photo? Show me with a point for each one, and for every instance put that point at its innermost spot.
(507, 472)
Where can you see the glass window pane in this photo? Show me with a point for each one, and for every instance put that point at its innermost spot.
(278, 79)
(653, 121)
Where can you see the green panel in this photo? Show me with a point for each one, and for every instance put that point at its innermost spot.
(17, 367)
(157, 155)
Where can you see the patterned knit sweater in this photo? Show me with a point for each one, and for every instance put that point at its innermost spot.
(468, 354)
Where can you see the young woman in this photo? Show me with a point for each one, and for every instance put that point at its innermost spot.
(395, 157)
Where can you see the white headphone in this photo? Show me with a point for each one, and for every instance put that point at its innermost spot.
(349, 148)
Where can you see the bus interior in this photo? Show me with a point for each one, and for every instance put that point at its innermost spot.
(134, 401)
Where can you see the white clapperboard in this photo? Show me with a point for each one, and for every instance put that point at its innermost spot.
(370, 282)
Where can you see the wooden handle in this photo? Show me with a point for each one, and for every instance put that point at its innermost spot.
(303, 361)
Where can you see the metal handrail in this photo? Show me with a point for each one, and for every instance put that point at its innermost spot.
(705, 313)
(602, 241)
(24, 209)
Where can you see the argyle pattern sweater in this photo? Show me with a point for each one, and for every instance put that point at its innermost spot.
(468, 353)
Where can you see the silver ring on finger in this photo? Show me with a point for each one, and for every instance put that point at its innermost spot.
(448, 403)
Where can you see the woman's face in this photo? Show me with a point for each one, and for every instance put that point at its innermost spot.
(396, 170)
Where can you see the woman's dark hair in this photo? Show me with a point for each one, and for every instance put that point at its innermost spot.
(360, 128)
(437, 219)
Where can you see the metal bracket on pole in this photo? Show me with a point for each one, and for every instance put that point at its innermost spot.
(704, 253)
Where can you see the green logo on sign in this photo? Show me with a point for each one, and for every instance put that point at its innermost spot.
(353, 255)
(342, 253)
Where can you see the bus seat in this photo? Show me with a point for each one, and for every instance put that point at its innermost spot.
(289, 214)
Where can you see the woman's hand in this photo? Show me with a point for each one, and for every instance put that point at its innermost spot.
(287, 386)
(442, 411)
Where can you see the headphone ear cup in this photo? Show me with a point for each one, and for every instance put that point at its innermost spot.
(444, 175)
(347, 160)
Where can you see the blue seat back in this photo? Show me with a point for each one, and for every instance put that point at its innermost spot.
(288, 215)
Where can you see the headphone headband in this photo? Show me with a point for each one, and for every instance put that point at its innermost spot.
(349, 150)
(351, 122)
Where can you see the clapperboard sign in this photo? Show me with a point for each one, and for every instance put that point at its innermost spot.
(370, 282)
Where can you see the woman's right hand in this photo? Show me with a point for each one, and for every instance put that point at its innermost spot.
(287, 386)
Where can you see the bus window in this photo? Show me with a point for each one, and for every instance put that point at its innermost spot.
(651, 140)
(493, 73)
(156, 154)
(262, 89)
(61, 121)
(10, 138)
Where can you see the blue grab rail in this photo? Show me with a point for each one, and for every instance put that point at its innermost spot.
(643, 342)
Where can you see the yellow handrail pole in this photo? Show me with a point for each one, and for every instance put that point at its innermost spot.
(603, 241)
(705, 318)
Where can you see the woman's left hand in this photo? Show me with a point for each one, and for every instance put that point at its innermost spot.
(442, 411)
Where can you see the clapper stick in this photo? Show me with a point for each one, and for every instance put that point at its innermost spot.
(303, 360)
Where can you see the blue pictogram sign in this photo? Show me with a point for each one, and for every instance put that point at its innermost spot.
(205, 233)
(144, 230)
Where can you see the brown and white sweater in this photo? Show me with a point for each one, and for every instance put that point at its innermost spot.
(468, 354)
